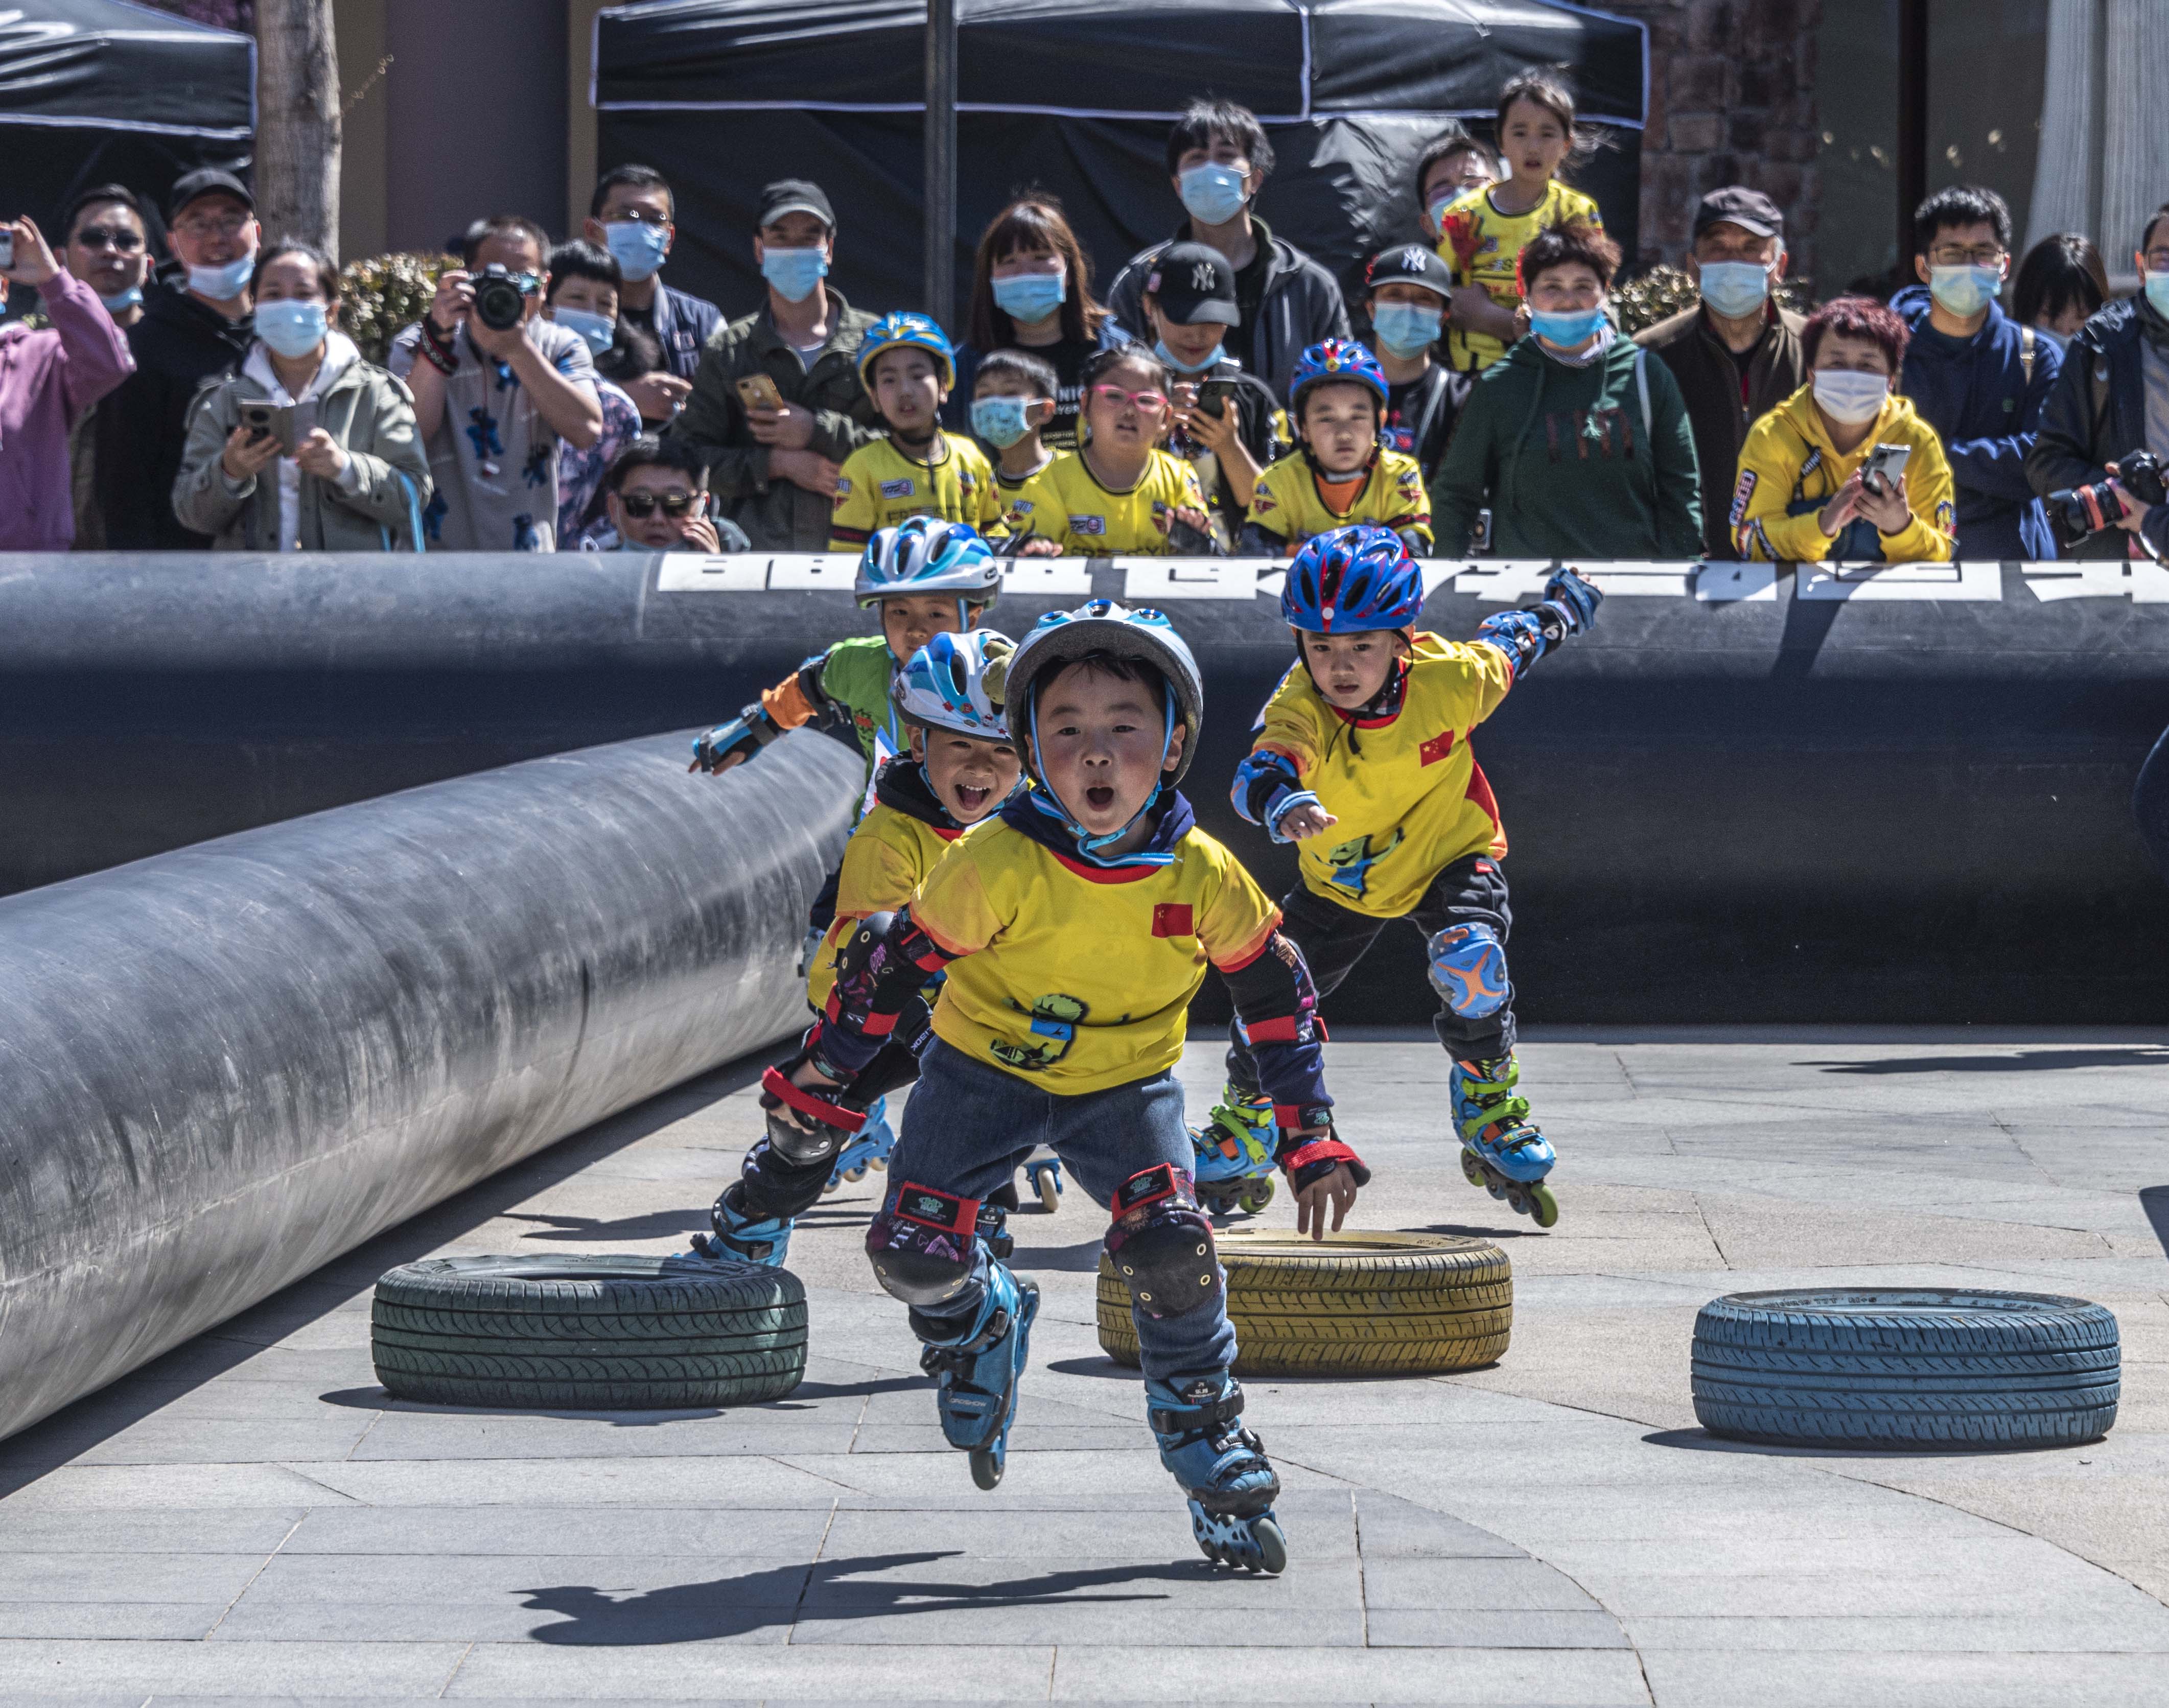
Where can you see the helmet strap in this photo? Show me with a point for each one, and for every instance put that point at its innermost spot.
(1088, 845)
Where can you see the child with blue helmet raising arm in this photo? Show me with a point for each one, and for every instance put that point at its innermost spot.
(1361, 758)
(1074, 931)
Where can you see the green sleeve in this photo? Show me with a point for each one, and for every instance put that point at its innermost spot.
(856, 677)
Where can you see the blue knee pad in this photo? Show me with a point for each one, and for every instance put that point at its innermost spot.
(1468, 970)
(923, 1245)
(1161, 1244)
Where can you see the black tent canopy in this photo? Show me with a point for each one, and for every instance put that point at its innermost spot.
(1075, 96)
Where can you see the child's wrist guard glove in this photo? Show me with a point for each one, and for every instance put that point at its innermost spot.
(742, 737)
(1568, 606)
(1282, 802)
(1308, 1157)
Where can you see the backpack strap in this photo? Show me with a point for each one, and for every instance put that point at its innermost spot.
(1642, 386)
(2026, 353)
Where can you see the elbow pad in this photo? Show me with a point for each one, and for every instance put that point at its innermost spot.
(743, 737)
(881, 966)
(1262, 781)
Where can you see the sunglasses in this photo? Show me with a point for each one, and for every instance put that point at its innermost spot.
(1147, 402)
(642, 504)
(104, 238)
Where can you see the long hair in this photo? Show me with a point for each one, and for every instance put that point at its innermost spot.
(1034, 220)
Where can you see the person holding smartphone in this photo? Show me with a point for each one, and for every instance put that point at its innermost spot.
(656, 496)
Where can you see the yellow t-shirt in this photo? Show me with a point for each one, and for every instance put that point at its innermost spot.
(1064, 503)
(884, 861)
(881, 486)
(1481, 246)
(1288, 503)
(1074, 977)
(1407, 790)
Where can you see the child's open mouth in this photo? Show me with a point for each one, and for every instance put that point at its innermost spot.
(970, 799)
(1099, 797)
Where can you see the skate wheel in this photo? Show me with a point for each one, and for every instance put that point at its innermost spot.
(1048, 1185)
(1543, 1208)
(987, 1466)
(878, 1162)
(857, 1173)
(1257, 1197)
(1495, 1189)
(1472, 1170)
(834, 1182)
(1217, 1206)
(1518, 1201)
(1272, 1546)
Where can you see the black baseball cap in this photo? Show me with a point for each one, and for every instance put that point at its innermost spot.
(794, 196)
(207, 180)
(1736, 204)
(1195, 285)
(1408, 264)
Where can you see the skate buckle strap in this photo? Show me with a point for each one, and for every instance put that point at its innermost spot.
(929, 1206)
(935, 1360)
(1149, 1186)
(778, 1085)
(1198, 1419)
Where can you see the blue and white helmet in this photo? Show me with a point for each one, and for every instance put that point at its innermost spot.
(927, 554)
(1101, 625)
(955, 682)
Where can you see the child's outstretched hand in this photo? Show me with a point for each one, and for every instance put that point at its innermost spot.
(1308, 820)
(1337, 1189)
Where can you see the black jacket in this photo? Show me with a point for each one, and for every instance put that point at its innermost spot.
(143, 428)
(2097, 412)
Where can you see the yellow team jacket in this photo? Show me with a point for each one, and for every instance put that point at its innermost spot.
(1407, 790)
(1481, 246)
(1789, 468)
(1064, 503)
(887, 856)
(1077, 978)
(881, 486)
(1287, 502)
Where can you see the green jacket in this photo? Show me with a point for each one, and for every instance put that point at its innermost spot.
(1574, 462)
(370, 414)
(777, 516)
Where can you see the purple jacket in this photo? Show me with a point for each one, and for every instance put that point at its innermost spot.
(47, 379)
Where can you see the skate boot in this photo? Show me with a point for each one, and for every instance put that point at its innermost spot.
(1221, 1467)
(869, 1148)
(740, 1237)
(979, 1373)
(1501, 1151)
(993, 1227)
(1043, 1172)
(1234, 1166)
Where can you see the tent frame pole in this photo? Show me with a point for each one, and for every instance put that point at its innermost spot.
(940, 276)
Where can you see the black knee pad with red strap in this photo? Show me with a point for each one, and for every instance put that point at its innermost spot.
(1161, 1244)
(924, 1244)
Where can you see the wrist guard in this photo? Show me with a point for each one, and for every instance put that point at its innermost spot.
(1309, 1159)
(744, 735)
(1284, 801)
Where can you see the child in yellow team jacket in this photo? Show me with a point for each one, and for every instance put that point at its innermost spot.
(1341, 472)
(1074, 931)
(907, 365)
(1363, 760)
(960, 768)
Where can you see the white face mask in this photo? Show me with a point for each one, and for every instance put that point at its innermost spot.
(1851, 397)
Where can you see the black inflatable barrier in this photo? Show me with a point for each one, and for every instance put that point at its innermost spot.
(222, 1067)
(1750, 795)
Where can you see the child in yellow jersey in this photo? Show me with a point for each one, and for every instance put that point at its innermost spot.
(1342, 474)
(1014, 395)
(907, 366)
(961, 766)
(1482, 231)
(1363, 760)
(1118, 493)
(1075, 930)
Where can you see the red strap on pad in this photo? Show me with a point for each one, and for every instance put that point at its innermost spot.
(834, 1114)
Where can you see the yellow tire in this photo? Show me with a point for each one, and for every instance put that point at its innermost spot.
(1361, 1304)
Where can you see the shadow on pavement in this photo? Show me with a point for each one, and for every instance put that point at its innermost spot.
(658, 1224)
(2019, 1061)
(1081, 1259)
(1702, 1441)
(2155, 1202)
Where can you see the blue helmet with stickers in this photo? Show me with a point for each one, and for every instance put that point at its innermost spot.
(928, 555)
(903, 330)
(1338, 360)
(955, 683)
(1351, 580)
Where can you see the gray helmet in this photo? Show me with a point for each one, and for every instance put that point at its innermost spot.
(1101, 625)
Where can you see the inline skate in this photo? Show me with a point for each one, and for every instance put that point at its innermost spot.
(1501, 1151)
(1221, 1467)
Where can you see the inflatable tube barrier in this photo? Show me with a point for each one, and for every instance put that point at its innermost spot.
(222, 1067)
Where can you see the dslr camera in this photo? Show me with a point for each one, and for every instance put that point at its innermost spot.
(499, 303)
(2080, 511)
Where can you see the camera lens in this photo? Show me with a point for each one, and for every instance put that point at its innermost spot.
(497, 303)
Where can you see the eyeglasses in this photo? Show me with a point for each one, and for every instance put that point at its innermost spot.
(1146, 402)
(110, 237)
(1950, 255)
(642, 504)
(232, 227)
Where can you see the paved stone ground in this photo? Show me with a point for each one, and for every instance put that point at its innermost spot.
(248, 1518)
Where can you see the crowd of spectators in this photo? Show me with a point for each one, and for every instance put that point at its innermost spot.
(191, 387)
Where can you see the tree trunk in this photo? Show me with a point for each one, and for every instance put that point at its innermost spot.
(297, 122)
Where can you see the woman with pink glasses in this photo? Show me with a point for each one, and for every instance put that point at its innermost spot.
(1119, 494)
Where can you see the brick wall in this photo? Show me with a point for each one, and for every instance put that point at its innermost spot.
(1732, 100)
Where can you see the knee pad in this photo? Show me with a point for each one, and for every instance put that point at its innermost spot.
(1468, 970)
(1161, 1244)
(923, 1245)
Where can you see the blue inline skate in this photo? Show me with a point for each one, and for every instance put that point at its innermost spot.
(741, 1236)
(1043, 1172)
(1234, 1161)
(1501, 1151)
(1222, 1468)
(979, 1372)
(869, 1148)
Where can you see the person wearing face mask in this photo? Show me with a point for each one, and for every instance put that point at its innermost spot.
(108, 247)
(774, 467)
(582, 295)
(1218, 160)
(632, 214)
(1974, 374)
(2111, 395)
(342, 469)
(1736, 353)
(194, 329)
(1803, 495)
(1407, 292)
(1448, 168)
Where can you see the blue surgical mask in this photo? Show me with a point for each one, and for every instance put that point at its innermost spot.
(1406, 329)
(1213, 194)
(1212, 356)
(796, 273)
(290, 328)
(1567, 330)
(1736, 289)
(599, 331)
(637, 246)
(123, 301)
(1032, 296)
(1000, 421)
(2157, 293)
(1849, 397)
(1439, 205)
(223, 284)
(1965, 291)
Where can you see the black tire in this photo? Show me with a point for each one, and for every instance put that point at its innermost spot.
(588, 1334)
(1904, 1367)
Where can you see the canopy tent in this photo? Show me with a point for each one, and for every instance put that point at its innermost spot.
(101, 91)
(1075, 97)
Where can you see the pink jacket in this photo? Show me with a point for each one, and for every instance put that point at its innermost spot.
(47, 379)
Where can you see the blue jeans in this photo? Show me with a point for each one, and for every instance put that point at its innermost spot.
(969, 1127)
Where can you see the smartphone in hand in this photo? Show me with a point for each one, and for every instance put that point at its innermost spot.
(758, 391)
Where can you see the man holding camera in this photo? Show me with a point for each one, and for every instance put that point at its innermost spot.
(495, 389)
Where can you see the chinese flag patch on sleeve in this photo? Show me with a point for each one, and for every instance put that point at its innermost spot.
(1172, 919)
(1437, 747)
